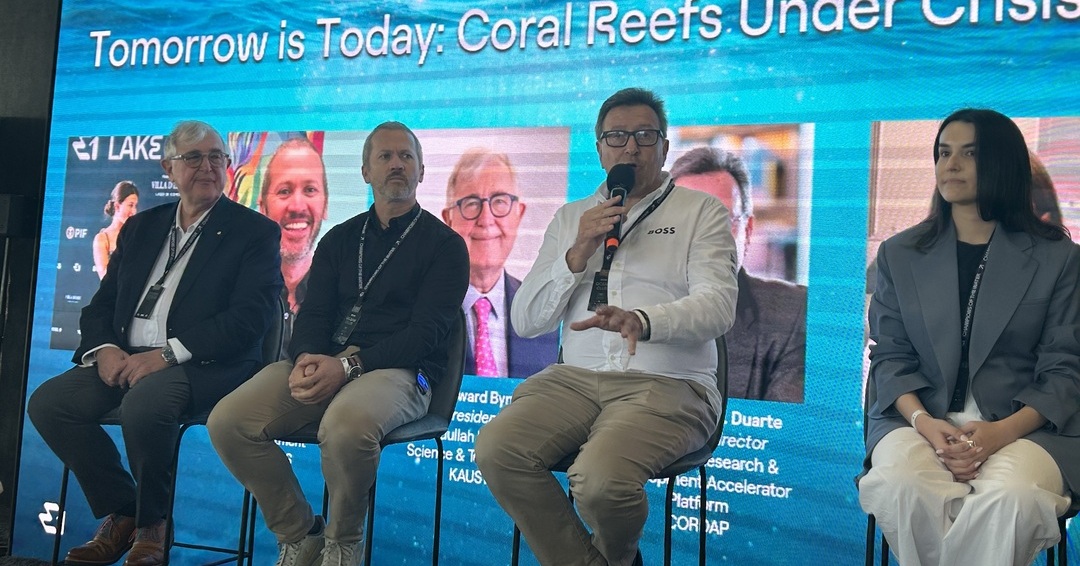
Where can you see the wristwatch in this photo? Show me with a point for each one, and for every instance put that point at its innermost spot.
(353, 367)
(168, 355)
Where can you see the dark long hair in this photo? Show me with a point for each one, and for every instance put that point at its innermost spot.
(1003, 180)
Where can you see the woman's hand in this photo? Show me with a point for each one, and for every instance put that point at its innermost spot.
(961, 457)
(940, 433)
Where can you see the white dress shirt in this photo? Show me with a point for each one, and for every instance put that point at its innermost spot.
(152, 332)
(678, 266)
(497, 321)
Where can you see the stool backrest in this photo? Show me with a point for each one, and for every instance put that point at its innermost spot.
(271, 351)
(721, 385)
(444, 395)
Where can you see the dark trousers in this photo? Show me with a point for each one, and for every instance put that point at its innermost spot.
(66, 410)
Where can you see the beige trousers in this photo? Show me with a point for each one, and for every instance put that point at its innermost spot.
(245, 423)
(1005, 516)
(627, 426)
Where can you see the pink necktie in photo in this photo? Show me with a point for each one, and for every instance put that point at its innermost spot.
(485, 360)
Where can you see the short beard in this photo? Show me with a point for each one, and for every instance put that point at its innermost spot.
(296, 256)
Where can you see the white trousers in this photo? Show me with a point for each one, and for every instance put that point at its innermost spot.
(1005, 516)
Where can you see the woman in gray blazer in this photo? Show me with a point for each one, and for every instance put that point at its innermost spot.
(973, 437)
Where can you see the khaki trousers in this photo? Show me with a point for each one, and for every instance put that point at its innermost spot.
(627, 426)
(245, 423)
(1005, 516)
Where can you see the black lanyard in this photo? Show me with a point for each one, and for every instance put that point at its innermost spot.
(175, 256)
(146, 307)
(348, 324)
(959, 397)
(609, 255)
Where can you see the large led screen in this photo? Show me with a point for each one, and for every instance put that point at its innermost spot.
(831, 106)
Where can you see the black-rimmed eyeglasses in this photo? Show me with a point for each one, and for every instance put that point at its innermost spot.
(643, 138)
(500, 204)
(194, 159)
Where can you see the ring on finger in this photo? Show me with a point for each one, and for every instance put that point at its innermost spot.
(971, 443)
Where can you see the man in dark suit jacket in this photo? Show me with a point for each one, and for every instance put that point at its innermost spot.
(485, 209)
(177, 323)
(767, 345)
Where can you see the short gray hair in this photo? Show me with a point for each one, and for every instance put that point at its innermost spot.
(472, 161)
(392, 126)
(188, 131)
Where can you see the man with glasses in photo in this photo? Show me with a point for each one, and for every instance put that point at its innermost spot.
(637, 389)
(484, 207)
(177, 323)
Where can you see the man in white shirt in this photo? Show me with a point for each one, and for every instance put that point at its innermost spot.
(177, 323)
(638, 387)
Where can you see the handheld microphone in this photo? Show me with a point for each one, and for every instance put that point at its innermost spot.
(620, 180)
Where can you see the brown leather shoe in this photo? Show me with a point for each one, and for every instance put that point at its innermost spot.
(113, 538)
(149, 547)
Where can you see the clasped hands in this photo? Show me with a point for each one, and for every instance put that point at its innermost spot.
(316, 378)
(963, 449)
(118, 368)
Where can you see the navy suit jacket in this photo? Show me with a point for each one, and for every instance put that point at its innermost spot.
(525, 356)
(224, 302)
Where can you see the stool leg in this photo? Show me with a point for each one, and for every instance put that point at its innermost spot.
(516, 548)
(438, 504)
(251, 531)
(170, 525)
(667, 521)
(370, 523)
(871, 533)
(1063, 544)
(704, 503)
(241, 537)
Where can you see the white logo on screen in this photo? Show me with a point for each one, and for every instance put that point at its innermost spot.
(73, 232)
(48, 516)
(80, 146)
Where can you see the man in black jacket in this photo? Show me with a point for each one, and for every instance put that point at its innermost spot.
(370, 340)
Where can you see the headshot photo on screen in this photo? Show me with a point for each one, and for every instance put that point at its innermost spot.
(755, 171)
(109, 180)
(282, 175)
(496, 189)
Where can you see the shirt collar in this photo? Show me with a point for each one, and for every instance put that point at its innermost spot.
(397, 224)
(497, 295)
(190, 229)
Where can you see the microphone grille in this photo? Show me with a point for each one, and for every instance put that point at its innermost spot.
(622, 176)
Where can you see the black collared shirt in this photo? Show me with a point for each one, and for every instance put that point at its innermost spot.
(409, 308)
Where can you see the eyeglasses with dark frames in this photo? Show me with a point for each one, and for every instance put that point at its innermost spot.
(500, 205)
(643, 138)
(194, 159)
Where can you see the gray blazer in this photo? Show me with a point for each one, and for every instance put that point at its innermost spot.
(1025, 338)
